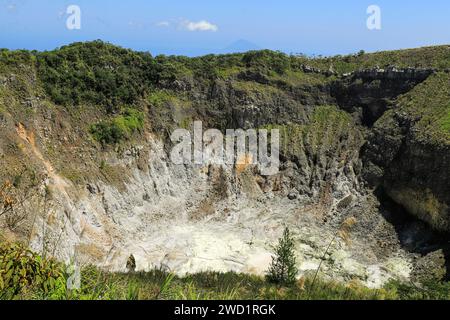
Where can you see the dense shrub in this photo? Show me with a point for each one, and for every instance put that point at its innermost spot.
(95, 72)
(119, 128)
(15, 58)
(267, 60)
(24, 273)
(445, 121)
(104, 74)
(430, 290)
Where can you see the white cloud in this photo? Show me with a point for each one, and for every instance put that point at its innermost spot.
(163, 24)
(185, 24)
(202, 25)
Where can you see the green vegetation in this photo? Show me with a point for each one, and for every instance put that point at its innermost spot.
(159, 98)
(26, 275)
(95, 72)
(427, 57)
(252, 88)
(89, 78)
(103, 74)
(430, 290)
(445, 121)
(13, 59)
(157, 284)
(119, 128)
(297, 78)
(283, 268)
(429, 104)
(22, 273)
(266, 61)
(328, 129)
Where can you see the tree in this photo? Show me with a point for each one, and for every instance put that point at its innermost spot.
(131, 264)
(20, 197)
(283, 268)
(361, 53)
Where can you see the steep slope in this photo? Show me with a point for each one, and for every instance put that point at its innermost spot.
(87, 128)
(408, 151)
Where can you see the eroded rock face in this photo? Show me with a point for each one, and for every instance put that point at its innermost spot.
(188, 219)
(411, 172)
(404, 156)
(371, 92)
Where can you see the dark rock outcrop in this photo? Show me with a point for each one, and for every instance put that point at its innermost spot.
(412, 172)
(408, 155)
(371, 92)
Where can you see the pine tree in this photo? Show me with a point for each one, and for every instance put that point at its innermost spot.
(283, 268)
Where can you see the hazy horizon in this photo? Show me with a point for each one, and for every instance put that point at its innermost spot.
(225, 50)
(197, 28)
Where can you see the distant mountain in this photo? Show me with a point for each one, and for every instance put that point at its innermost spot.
(241, 46)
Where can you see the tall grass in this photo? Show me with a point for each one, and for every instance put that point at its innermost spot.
(97, 284)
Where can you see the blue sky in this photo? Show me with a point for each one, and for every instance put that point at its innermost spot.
(198, 27)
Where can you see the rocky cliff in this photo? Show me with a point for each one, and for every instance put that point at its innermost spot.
(407, 152)
(86, 129)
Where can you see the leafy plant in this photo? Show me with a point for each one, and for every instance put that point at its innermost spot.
(95, 72)
(165, 285)
(24, 273)
(267, 60)
(119, 128)
(133, 291)
(430, 290)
